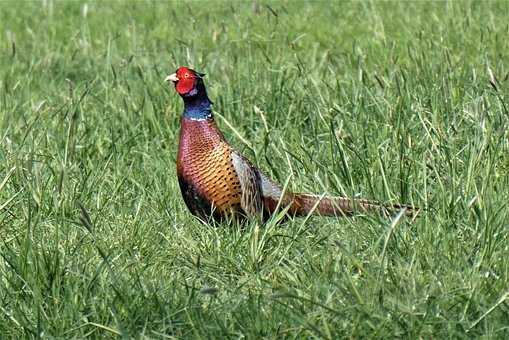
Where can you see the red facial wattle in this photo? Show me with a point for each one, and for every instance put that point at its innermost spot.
(186, 80)
(185, 86)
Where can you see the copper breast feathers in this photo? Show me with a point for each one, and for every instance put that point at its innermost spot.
(205, 169)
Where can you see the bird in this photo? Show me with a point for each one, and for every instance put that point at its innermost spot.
(218, 183)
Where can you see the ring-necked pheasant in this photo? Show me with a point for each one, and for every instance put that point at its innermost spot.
(217, 181)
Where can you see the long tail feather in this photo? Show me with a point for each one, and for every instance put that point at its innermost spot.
(303, 204)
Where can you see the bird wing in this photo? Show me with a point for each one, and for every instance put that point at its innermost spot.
(250, 184)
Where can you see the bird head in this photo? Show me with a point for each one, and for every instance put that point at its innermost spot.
(188, 82)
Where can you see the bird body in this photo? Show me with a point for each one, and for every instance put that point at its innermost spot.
(217, 181)
(205, 170)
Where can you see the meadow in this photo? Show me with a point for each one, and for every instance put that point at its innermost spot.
(394, 101)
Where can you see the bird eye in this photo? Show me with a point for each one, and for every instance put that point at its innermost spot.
(186, 75)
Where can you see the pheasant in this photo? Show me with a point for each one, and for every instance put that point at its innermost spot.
(217, 181)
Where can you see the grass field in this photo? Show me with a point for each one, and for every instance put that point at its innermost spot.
(391, 101)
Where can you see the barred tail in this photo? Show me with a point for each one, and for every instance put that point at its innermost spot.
(303, 204)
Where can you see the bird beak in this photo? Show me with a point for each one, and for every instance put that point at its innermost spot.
(172, 77)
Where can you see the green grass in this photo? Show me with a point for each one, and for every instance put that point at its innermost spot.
(390, 101)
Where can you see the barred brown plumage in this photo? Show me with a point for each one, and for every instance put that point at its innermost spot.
(217, 181)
